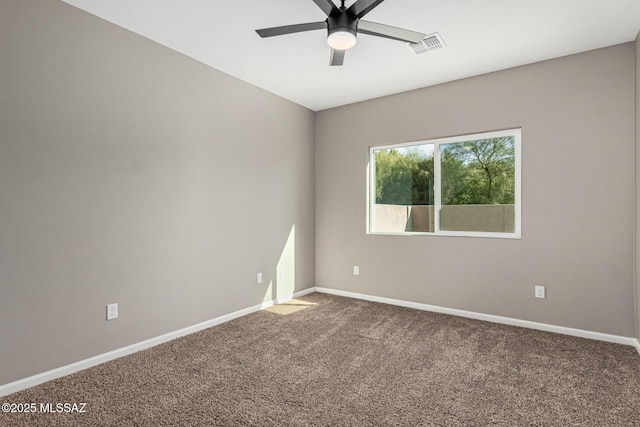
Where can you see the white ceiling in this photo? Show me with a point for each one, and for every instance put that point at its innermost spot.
(481, 36)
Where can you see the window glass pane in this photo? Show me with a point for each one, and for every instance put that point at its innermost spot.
(403, 189)
(478, 185)
(465, 185)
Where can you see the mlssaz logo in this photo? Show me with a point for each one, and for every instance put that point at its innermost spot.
(78, 408)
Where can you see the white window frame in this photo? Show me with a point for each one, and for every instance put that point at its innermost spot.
(516, 133)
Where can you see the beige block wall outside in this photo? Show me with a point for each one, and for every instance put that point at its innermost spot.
(420, 218)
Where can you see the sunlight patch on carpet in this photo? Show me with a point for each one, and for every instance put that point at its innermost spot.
(290, 307)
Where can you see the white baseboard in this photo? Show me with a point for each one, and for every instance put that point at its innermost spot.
(34, 380)
(490, 318)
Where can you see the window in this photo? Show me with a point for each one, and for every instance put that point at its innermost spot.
(460, 186)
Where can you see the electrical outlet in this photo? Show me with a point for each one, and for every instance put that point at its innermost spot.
(539, 292)
(281, 274)
(356, 270)
(259, 278)
(112, 311)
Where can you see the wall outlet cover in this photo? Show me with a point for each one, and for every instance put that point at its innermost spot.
(112, 311)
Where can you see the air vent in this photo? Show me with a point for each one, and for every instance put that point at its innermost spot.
(429, 43)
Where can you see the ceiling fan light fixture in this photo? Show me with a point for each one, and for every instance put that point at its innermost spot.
(343, 25)
(342, 39)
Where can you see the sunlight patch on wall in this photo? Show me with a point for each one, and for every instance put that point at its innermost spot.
(286, 267)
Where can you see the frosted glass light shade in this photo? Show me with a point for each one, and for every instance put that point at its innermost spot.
(341, 40)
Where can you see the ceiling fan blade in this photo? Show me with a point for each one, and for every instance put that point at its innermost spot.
(337, 57)
(288, 29)
(327, 6)
(362, 7)
(389, 32)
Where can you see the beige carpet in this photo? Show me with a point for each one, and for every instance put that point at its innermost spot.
(331, 361)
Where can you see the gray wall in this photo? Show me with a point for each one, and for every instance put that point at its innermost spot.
(576, 115)
(637, 127)
(132, 174)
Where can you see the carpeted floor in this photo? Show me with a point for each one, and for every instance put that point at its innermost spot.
(331, 361)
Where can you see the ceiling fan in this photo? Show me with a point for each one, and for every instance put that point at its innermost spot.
(343, 24)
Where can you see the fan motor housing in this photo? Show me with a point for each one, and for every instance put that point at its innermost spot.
(342, 22)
